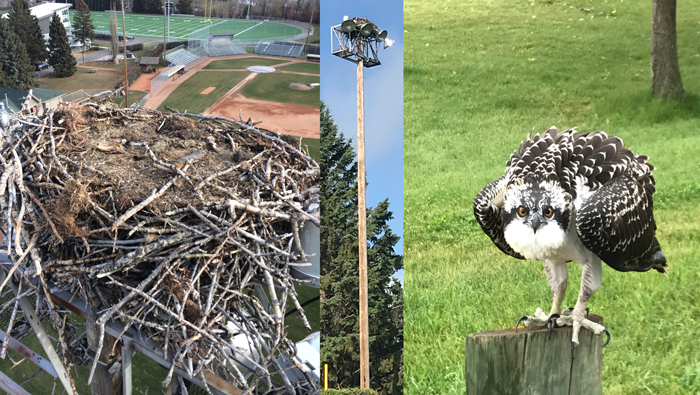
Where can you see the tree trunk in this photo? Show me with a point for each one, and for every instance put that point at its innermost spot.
(665, 74)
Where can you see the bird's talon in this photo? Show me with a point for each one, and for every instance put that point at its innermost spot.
(608, 340)
(521, 319)
(552, 322)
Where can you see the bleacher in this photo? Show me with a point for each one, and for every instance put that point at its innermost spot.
(279, 48)
(181, 56)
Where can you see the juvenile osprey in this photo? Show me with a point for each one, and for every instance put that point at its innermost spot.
(573, 197)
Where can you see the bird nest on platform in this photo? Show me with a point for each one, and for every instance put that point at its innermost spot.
(165, 223)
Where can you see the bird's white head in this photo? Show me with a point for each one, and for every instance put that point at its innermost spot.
(537, 214)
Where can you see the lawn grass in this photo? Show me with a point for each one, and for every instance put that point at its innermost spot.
(275, 87)
(187, 96)
(312, 68)
(243, 63)
(134, 96)
(82, 79)
(314, 147)
(478, 77)
(110, 65)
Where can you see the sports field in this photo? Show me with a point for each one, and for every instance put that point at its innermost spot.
(149, 25)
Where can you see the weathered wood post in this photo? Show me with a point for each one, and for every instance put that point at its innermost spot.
(530, 361)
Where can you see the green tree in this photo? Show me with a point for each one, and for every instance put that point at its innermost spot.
(60, 56)
(83, 29)
(16, 69)
(139, 6)
(26, 27)
(339, 273)
(184, 7)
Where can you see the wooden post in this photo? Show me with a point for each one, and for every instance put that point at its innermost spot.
(533, 362)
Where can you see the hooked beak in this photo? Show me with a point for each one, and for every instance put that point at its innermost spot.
(535, 221)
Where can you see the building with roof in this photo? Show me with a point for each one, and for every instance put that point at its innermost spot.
(40, 100)
(45, 12)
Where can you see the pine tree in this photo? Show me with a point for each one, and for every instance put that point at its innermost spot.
(26, 27)
(16, 69)
(339, 273)
(60, 56)
(184, 7)
(83, 29)
(139, 6)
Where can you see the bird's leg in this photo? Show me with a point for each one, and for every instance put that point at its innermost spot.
(590, 282)
(558, 276)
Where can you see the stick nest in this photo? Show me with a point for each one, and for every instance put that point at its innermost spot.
(167, 225)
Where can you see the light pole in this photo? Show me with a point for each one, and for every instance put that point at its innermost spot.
(358, 42)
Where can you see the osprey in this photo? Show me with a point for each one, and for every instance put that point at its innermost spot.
(579, 197)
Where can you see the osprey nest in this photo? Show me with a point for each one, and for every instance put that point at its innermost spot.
(165, 224)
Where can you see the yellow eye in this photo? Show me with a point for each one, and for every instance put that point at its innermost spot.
(548, 212)
(522, 211)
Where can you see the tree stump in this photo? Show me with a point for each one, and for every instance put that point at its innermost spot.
(530, 361)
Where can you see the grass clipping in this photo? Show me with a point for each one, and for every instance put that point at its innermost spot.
(168, 225)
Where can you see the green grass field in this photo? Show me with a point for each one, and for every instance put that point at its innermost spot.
(243, 63)
(188, 97)
(150, 25)
(312, 68)
(275, 87)
(478, 77)
(82, 79)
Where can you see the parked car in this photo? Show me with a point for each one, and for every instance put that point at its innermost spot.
(42, 66)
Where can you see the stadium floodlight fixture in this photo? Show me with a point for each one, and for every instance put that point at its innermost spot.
(347, 26)
(357, 40)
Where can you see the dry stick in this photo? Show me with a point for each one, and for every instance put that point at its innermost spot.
(9, 325)
(101, 322)
(145, 203)
(46, 215)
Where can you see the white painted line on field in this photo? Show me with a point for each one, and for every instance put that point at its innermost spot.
(252, 27)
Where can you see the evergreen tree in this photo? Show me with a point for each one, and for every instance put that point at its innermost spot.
(139, 6)
(154, 7)
(26, 27)
(83, 29)
(339, 274)
(60, 56)
(16, 69)
(184, 7)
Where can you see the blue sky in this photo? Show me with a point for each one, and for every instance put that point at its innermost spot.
(383, 100)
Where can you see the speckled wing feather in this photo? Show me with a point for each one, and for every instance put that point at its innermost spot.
(487, 210)
(617, 222)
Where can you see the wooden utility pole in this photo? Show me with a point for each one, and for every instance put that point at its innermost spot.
(165, 37)
(362, 224)
(126, 69)
(531, 361)
(306, 43)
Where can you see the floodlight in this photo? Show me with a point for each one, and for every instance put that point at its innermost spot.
(366, 29)
(381, 36)
(347, 26)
